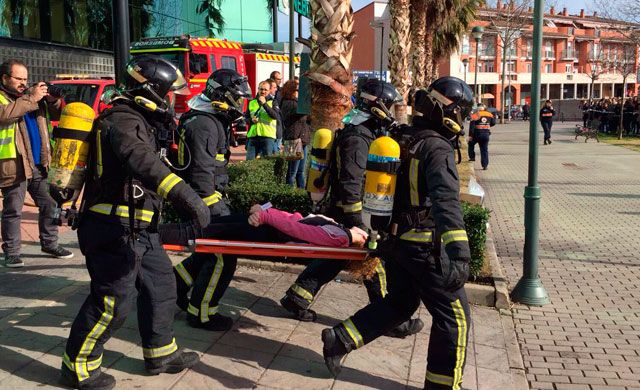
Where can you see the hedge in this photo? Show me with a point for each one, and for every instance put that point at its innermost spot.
(263, 180)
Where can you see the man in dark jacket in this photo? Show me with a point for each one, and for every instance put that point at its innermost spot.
(479, 132)
(428, 251)
(118, 230)
(546, 119)
(25, 157)
(203, 154)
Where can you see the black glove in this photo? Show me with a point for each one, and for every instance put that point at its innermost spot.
(456, 275)
(185, 199)
(55, 91)
(178, 233)
(354, 219)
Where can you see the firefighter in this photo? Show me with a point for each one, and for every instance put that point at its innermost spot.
(427, 251)
(203, 150)
(479, 132)
(118, 229)
(347, 171)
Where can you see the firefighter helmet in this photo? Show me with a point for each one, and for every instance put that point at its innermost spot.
(148, 79)
(378, 94)
(225, 91)
(445, 104)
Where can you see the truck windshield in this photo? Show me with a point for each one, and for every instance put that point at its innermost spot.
(175, 57)
(85, 93)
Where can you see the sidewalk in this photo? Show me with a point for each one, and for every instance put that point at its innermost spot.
(264, 350)
(589, 336)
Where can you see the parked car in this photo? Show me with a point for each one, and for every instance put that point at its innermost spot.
(80, 88)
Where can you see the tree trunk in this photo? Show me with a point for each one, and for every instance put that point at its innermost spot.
(399, 53)
(624, 92)
(330, 69)
(428, 54)
(418, 32)
(435, 69)
(504, 73)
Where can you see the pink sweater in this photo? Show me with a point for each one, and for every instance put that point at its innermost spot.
(289, 224)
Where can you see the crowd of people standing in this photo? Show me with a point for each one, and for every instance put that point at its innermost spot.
(605, 114)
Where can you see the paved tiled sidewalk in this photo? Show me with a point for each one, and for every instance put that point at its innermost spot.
(589, 337)
(263, 350)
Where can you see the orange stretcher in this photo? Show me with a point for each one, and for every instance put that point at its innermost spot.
(269, 249)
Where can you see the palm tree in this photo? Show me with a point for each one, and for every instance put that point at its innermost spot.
(418, 32)
(330, 70)
(399, 52)
(213, 18)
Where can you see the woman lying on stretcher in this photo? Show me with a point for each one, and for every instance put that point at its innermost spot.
(270, 225)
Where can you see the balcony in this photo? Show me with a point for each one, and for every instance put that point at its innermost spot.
(550, 55)
(569, 55)
(487, 53)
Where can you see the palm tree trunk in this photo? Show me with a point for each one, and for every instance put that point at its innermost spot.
(435, 71)
(330, 69)
(399, 53)
(428, 54)
(418, 32)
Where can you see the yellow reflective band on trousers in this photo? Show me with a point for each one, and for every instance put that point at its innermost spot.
(212, 199)
(461, 343)
(7, 136)
(122, 211)
(219, 157)
(454, 235)
(440, 379)
(92, 365)
(413, 182)
(150, 353)
(350, 208)
(382, 278)
(211, 287)
(81, 365)
(184, 274)
(415, 236)
(196, 312)
(167, 184)
(302, 292)
(353, 332)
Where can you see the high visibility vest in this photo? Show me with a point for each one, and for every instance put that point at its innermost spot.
(266, 126)
(7, 136)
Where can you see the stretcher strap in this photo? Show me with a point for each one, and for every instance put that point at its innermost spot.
(268, 249)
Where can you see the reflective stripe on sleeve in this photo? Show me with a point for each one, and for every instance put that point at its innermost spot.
(212, 199)
(167, 184)
(454, 235)
(415, 236)
(350, 208)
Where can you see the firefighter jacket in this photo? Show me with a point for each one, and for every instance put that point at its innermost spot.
(16, 158)
(546, 114)
(126, 170)
(203, 145)
(427, 206)
(481, 123)
(348, 172)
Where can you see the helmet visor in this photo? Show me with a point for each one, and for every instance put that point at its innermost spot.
(242, 88)
(180, 87)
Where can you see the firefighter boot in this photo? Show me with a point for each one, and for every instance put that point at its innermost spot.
(216, 323)
(299, 312)
(97, 381)
(171, 364)
(407, 328)
(334, 350)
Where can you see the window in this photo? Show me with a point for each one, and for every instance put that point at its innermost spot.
(84, 93)
(198, 63)
(487, 66)
(529, 67)
(465, 44)
(548, 68)
(228, 62)
(212, 59)
(176, 58)
(568, 68)
(570, 30)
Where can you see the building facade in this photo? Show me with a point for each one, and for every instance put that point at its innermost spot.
(583, 55)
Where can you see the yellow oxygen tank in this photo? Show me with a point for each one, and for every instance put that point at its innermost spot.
(317, 175)
(380, 185)
(69, 160)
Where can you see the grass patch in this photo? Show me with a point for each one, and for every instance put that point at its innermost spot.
(628, 142)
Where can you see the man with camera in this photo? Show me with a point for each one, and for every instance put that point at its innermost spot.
(24, 158)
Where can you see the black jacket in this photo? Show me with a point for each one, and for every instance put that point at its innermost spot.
(546, 114)
(295, 125)
(125, 147)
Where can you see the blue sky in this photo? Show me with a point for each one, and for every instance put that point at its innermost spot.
(573, 6)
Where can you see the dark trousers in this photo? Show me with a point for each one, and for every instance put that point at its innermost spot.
(482, 139)
(118, 267)
(546, 127)
(320, 272)
(12, 203)
(414, 275)
(208, 274)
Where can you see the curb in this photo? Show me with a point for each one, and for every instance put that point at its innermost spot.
(502, 300)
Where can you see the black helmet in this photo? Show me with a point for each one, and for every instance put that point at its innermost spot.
(148, 79)
(445, 104)
(224, 92)
(376, 93)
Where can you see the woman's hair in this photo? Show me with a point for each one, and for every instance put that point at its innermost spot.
(288, 90)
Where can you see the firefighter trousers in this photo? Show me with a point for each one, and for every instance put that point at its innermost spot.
(320, 272)
(414, 275)
(118, 266)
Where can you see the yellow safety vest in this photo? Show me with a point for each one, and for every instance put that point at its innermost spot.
(7, 136)
(266, 126)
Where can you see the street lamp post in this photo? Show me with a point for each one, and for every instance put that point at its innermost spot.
(477, 32)
(465, 62)
(374, 25)
(529, 289)
(120, 38)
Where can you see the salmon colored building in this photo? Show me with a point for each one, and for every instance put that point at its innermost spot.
(573, 45)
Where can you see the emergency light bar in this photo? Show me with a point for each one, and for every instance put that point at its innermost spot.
(268, 249)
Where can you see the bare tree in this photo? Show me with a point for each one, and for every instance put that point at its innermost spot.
(508, 23)
(625, 65)
(598, 64)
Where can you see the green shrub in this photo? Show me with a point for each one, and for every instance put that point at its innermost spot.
(475, 220)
